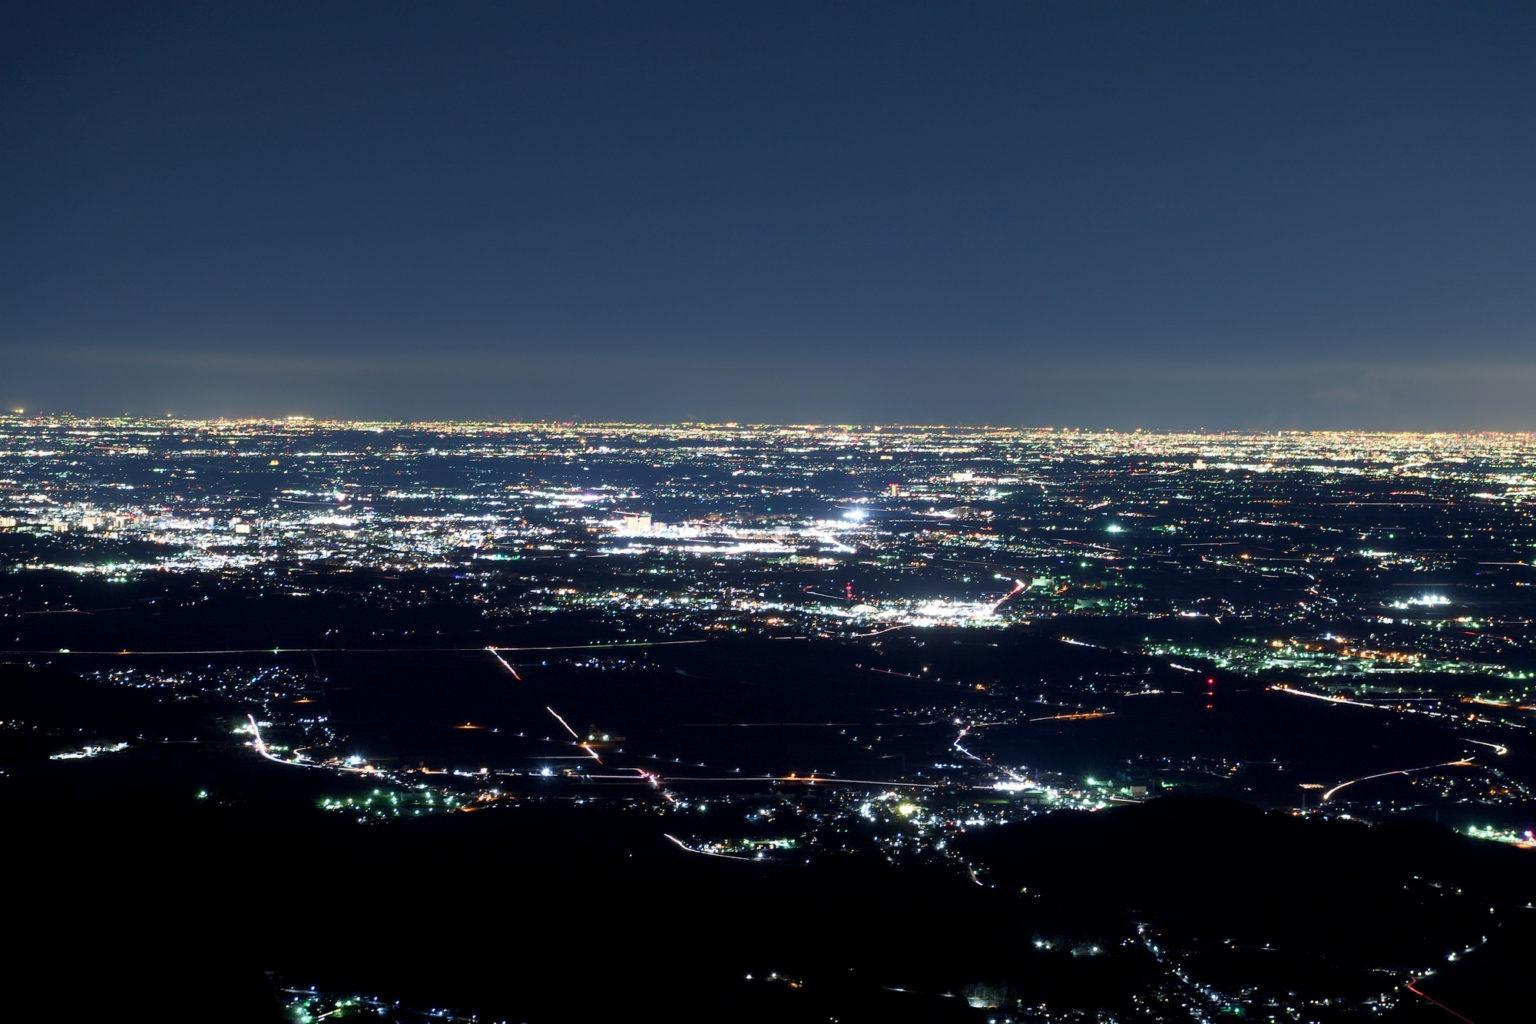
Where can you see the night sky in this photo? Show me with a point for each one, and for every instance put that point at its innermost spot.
(1139, 214)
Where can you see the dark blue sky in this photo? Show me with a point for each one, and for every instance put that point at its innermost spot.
(1135, 214)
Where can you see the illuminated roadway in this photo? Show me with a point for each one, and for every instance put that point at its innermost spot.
(706, 853)
(1465, 762)
(1412, 986)
(504, 663)
(125, 652)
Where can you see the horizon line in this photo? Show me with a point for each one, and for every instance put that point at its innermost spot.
(23, 417)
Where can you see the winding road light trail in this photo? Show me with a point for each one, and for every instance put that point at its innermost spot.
(1498, 748)
(260, 746)
(1465, 762)
(1412, 986)
(1013, 776)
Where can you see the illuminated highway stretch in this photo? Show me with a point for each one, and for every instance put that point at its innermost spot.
(1001, 775)
(656, 781)
(1462, 762)
(1395, 706)
(701, 852)
(495, 653)
(574, 736)
(654, 778)
(665, 785)
(662, 783)
(621, 644)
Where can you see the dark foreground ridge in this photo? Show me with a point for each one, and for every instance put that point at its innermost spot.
(174, 909)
